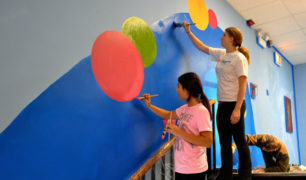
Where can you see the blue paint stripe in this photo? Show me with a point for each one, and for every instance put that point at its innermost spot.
(282, 55)
(296, 119)
(257, 41)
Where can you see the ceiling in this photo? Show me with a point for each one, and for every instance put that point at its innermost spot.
(284, 21)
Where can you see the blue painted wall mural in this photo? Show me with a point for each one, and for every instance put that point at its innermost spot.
(73, 130)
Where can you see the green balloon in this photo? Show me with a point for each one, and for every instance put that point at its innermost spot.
(140, 33)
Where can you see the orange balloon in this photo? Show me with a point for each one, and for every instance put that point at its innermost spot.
(198, 13)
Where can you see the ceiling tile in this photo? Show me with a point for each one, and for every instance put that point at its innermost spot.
(298, 59)
(266, 13)
(289, 39)
(293, 50)
(278, 27)
(295, 6)
(283, 20)
(301, 19)
(241, 5)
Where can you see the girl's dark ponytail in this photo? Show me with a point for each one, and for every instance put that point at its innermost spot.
(192, 83)
(205, 102)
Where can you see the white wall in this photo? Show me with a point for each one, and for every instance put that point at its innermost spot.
(40, 40)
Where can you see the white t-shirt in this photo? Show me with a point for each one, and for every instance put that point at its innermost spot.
(229, 68)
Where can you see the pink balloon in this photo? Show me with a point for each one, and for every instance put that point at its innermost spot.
(117, 66)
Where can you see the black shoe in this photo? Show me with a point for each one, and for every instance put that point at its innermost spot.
(244, 177)
(224, 177)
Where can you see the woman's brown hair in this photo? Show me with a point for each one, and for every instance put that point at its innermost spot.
(237, 35)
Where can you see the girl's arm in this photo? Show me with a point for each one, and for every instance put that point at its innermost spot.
(235, 117)
(199, 44)
(203, 139)
(158, 111)
(162, 112)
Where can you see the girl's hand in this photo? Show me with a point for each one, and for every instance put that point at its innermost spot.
(173, 129)
(235, 117)
(186, 27)
(147, 99)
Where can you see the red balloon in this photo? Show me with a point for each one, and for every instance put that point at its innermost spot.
(117, 66)
(212, 19)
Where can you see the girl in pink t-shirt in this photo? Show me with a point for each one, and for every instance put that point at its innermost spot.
(194, 132)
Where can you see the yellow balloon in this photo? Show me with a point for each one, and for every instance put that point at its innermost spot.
(198, 13)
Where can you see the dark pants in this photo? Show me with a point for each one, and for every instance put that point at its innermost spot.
(198, 176)
(226, 131)
(277, 165)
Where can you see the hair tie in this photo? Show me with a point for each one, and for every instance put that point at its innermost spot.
(200, 97)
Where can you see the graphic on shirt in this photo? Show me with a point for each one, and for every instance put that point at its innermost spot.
(185, 128)
(179, 145)
(226, 62)
(184, 119)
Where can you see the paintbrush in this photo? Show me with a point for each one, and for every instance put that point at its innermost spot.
(181, 24)
(164, 133)
(149, 96)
